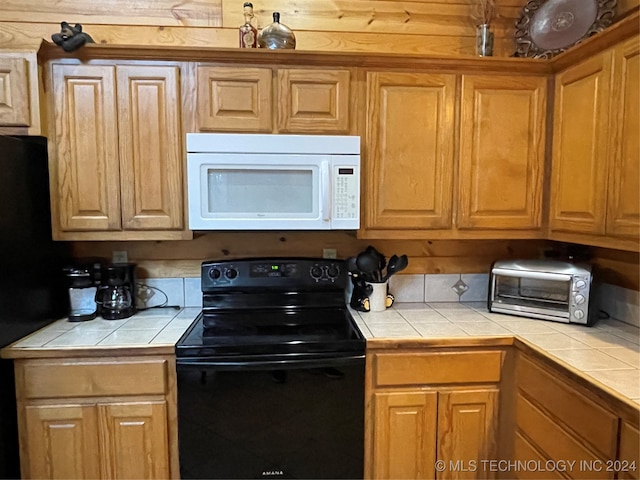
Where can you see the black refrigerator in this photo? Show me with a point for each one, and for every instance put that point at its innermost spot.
(32, 286)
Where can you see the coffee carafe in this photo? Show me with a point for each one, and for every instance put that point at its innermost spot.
(116, 296)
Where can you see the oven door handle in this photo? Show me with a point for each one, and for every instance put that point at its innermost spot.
(558, 277)
(275, 364)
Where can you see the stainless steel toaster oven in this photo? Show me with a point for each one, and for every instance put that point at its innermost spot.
(545, 289)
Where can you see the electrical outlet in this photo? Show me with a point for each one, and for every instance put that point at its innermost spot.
(119, 256)
(329, 253)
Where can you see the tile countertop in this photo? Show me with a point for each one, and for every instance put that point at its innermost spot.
(607, 353)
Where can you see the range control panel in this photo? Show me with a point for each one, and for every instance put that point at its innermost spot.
(274, 273)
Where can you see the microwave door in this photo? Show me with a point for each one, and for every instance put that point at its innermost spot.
(258, 192)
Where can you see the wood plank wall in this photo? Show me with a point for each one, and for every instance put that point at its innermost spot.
(414, 26)
(183, 258)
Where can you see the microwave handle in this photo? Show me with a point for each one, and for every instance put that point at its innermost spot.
(558, 277)
(325, 190)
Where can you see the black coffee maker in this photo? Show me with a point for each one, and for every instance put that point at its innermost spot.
(83, 281)
(117, 295)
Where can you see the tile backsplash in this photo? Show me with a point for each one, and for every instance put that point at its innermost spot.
(619, 303)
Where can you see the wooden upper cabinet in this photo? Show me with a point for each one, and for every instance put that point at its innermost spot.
(313, 100)
(242, 99)
(85, 172)
(581, 147)
(623, 213)
(117, 155)
(502, 148)
(234, 99)
(14, 92)
(150, 151)
(410, 141)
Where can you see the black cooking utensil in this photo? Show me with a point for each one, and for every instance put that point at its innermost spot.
(368, 263)
(396, 265)
(382, 261)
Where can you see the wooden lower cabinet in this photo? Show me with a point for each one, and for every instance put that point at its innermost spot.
(629, 451)
(405, 434)
(559, 422)
(436, 429)
(76, 419)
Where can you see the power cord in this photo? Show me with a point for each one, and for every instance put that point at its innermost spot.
(146, 292)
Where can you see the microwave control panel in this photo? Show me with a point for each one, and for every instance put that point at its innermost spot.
(346, 194)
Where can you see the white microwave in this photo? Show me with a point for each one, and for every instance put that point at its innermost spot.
(273, 182)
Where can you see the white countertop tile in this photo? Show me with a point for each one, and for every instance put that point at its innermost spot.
(627, 382)
(126, 337)
(553, 341)
(79, 337)
(439, 329)
(590, 359)
(608, 352)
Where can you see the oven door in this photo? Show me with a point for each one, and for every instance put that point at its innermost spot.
(286, 422)
(535, 294)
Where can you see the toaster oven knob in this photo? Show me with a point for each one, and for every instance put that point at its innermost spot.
(231, 273)
(214, 273)
(579, 314)
(581, 284)
(579, 299)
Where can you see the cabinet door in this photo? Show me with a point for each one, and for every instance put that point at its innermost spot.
(313, 101)
(410, 134)
(580, 147)
(151, 158)
(467, 432)
(134, 440)
(85, 167)
(14, 92)
(629, 451)
(502, 148)
(62, 442)
(405, 430)
(623, 216)
(234, 99)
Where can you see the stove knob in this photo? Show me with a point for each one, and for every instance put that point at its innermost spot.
(580, 299)
(231, 273)
(316, 272)
(214, 273)
(333, 271)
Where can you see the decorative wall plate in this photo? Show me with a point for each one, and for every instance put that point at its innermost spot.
(548, 27)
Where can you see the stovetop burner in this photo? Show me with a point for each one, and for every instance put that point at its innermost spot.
(271, 311)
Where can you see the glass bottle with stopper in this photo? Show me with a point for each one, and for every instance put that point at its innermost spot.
(248, 33)
(276, 35)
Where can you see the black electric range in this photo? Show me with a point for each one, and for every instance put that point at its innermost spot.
(271, 374)
(266, 312)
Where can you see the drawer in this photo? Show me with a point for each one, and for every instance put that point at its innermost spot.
(59, 379)
(551, 438)
(403, 369)
(560, 397)
(524, 452)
